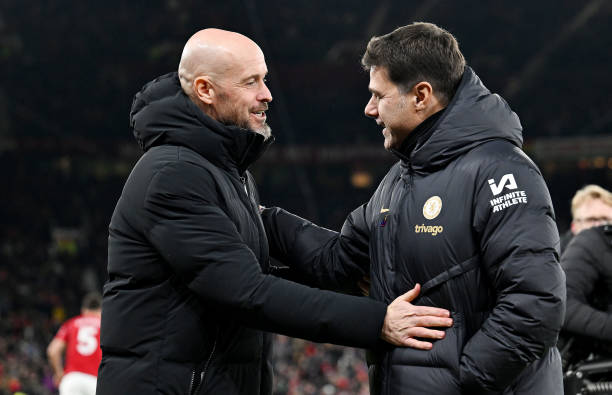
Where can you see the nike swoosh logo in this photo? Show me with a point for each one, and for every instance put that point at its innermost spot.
(384, 210)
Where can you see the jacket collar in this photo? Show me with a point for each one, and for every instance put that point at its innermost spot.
(162, 114)
(473, 116)
(418, 136)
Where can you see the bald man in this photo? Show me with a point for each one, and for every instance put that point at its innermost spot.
(190, 290)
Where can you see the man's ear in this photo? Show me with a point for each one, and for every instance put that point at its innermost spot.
(423, 95)
(203, 89)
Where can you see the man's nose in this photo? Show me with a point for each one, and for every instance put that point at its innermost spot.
(370, 109)
(264, 95)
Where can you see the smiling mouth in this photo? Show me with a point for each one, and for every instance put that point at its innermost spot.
(382, 125)
(261, 115)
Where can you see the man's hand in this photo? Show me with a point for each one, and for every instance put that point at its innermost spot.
(405, 321)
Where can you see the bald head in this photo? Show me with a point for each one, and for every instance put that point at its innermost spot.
(224, 74)
(214, 53)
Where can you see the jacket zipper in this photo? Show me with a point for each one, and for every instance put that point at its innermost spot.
(255, 215)
(210, 357)
(192, 390)
(246, 188)
(193, 372)
(396, 192)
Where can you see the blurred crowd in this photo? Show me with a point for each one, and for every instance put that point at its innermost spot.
(312, 49)
(305, 368)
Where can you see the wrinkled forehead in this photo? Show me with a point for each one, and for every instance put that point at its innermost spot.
(244, 61)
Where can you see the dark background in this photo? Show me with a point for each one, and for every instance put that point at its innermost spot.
(69, 70)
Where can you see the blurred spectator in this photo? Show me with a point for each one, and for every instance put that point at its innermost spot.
(302, 367)
(591, 206)
(587, 262)
(79, 338)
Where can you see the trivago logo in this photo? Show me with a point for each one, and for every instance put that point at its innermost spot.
(431, 229)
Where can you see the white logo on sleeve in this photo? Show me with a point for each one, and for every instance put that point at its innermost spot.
(508, 199)
(506, 181)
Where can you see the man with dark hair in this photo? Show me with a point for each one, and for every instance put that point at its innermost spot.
(464, 212)
(92, 301)
(190, 291)
(79, 339)
(423, 52)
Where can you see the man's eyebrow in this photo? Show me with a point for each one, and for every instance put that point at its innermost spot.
(253, 76)
(374, 91)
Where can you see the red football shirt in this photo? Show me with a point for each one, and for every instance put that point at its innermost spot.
(82, 337)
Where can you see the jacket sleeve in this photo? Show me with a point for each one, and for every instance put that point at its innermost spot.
(319, 256)
(203, 247)
(514, 219)
(581, 262)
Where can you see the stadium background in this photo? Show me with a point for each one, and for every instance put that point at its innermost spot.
(69, 70)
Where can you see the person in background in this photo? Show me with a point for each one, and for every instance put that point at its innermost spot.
(79, 340)
(587, 330)
(591, 206)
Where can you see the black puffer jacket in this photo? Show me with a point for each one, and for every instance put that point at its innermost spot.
(466, 214)
(587, 262)
(188, 291)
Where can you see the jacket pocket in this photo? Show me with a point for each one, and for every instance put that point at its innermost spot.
(445, 353)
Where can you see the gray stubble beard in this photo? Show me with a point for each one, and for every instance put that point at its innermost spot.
(265, 131)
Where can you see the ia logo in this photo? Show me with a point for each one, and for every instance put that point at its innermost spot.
(506, 181)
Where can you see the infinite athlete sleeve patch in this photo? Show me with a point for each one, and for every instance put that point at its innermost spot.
(508, 199)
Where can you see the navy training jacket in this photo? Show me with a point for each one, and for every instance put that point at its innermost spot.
(466, 214)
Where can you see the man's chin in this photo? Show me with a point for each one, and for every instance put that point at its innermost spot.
(264, 130)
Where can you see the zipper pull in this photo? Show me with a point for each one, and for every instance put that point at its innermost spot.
(244, 184)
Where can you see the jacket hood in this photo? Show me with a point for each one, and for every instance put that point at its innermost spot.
(473, 116)
(162, 114)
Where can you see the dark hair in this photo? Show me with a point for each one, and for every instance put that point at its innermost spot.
(418, 52)
(92, 301)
